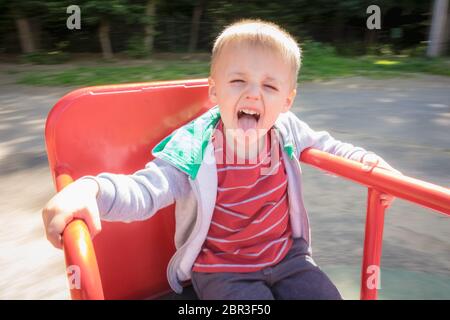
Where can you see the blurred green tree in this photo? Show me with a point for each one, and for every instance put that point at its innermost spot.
(189, 25)
(100, 13)
(26, 16)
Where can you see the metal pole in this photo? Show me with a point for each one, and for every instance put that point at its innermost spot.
(373, 243)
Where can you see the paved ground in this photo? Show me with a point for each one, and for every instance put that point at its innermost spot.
(407, 121)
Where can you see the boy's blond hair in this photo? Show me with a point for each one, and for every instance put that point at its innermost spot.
(259, 33)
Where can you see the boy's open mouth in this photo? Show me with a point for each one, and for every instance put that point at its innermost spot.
(246, 112)
(247, 119)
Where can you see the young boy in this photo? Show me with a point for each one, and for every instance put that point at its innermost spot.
(242, 230)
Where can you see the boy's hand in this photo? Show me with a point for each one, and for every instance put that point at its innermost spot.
(77, 200)
(371, 161)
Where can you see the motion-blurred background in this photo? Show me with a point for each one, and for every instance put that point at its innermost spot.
(385, 89)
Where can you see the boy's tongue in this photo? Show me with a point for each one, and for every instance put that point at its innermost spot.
(246, 122)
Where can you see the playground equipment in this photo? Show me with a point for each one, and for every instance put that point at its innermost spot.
(113, 129)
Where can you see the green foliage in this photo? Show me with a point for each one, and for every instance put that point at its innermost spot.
(340, 22)
(316, 49)
(22, 8)
(416, 51)
(127, 11)
(136, 49)
(51, 57)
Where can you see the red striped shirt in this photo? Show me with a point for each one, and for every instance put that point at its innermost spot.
(250, 227)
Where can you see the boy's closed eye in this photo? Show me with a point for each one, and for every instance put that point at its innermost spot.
(266, 85)
(271, 87)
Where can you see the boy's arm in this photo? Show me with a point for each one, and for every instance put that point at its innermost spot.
(138, 196)
(322, 140)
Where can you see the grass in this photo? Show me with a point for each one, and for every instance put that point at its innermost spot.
(110, 74)
(327, 67)
(319, 63)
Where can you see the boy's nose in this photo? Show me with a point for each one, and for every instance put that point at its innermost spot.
(252, 93)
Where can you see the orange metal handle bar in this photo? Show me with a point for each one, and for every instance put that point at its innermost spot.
(378, 181)
(407, 188)
(81, 262)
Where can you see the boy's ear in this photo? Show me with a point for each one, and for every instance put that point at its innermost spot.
(290, 100)
(212, 90)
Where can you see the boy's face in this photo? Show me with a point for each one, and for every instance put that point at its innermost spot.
(252, 79)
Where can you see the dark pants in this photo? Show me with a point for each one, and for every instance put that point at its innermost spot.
(295, 277)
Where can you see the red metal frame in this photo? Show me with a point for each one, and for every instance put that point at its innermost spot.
(79, 249)
(379, 181)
